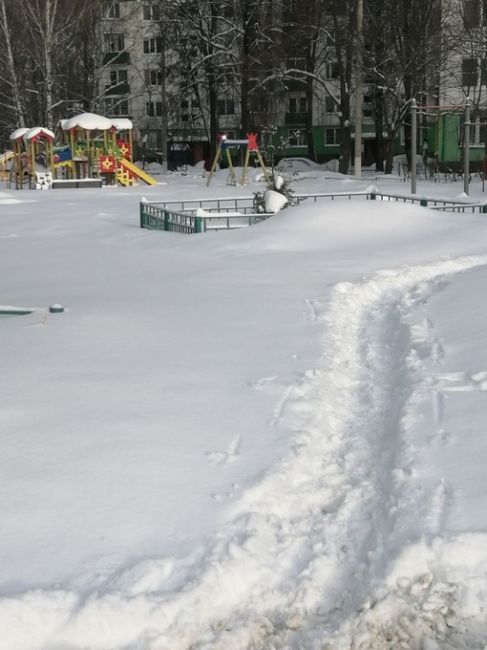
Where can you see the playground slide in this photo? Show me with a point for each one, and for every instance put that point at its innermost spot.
(137, 171)
(5, 157)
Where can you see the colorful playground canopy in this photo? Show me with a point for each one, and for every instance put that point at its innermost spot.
(36, 132)
(27, 135)
(93, 122)
(18, 133)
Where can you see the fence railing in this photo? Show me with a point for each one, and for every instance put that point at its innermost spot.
(202, 215)
(427, 202)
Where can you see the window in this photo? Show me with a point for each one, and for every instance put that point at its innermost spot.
(332, 71)
(150, 12)
(225, 107)
(482, 130)
(114, 42)
(368, 106)
(330, 105)
(154, 109)
(260, 104)
(471, 14)
(296, 63)
(152, 45)
(332, 136)
(118, 107)
(297, 138)
(112, 9)
(118, 77)
(297, 105)
(153, 77)
(469, 72)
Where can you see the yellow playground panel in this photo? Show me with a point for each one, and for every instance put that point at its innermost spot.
(6, 161)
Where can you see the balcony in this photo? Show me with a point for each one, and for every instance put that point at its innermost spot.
(294, 119)
(117, 89)
(116, 58)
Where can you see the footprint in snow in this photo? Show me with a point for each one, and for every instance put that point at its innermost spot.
(225, 457)
(262, 383)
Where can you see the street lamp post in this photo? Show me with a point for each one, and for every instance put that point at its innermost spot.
(358, 92)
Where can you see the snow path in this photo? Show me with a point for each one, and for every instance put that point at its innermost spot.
(329, 515)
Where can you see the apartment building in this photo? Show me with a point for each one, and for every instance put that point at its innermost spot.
(162, 88)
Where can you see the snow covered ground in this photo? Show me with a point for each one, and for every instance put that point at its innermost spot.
(270, 438)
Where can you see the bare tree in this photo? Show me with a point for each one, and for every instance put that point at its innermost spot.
(9, 76)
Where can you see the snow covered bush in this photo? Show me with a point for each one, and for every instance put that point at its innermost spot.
(263, 201)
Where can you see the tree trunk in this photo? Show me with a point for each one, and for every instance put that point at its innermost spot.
(18, 108)
(379, 137)
(345, 135)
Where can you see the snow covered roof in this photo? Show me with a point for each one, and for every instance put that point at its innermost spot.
(122, 123)
(88, 121)
(18, 133)
(30, 134)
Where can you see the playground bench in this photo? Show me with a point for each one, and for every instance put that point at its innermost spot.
(76, 183)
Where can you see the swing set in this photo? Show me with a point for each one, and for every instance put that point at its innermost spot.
(248, 145)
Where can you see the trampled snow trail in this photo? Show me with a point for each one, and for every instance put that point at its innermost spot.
(312, 553)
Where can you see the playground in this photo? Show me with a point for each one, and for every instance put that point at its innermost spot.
(87, 150)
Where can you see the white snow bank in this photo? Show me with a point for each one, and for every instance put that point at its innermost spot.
(242, 439)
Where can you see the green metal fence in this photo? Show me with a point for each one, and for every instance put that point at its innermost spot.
(202, 215)
(433, 203)
(214, 214)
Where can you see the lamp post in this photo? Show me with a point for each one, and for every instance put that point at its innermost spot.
(358, 92)
(466, 149)
(414, 143)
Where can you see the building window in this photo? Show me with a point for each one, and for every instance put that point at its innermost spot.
(296, 63)
(260, 104)
(152, 45)
(332, 137)
(114, 42)
(297, 138)
(150, 12)
(469, 72)
(153, 77)
(112, 9)
(332, 71)
(118, 77)
(471, 14)
(117, 107)
(330, 105)
(154, 109)
(368, 106)
(225, 107)
(297, 105)
(482, 130)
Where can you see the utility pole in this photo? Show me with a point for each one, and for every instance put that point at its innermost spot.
(414, 143)
(358, 92)
(466, 149)
(164, 143)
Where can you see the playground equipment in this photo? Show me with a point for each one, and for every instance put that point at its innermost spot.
(89, 148)
(5, 158)
(249, 145)
(33, 156)
(102, 147)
